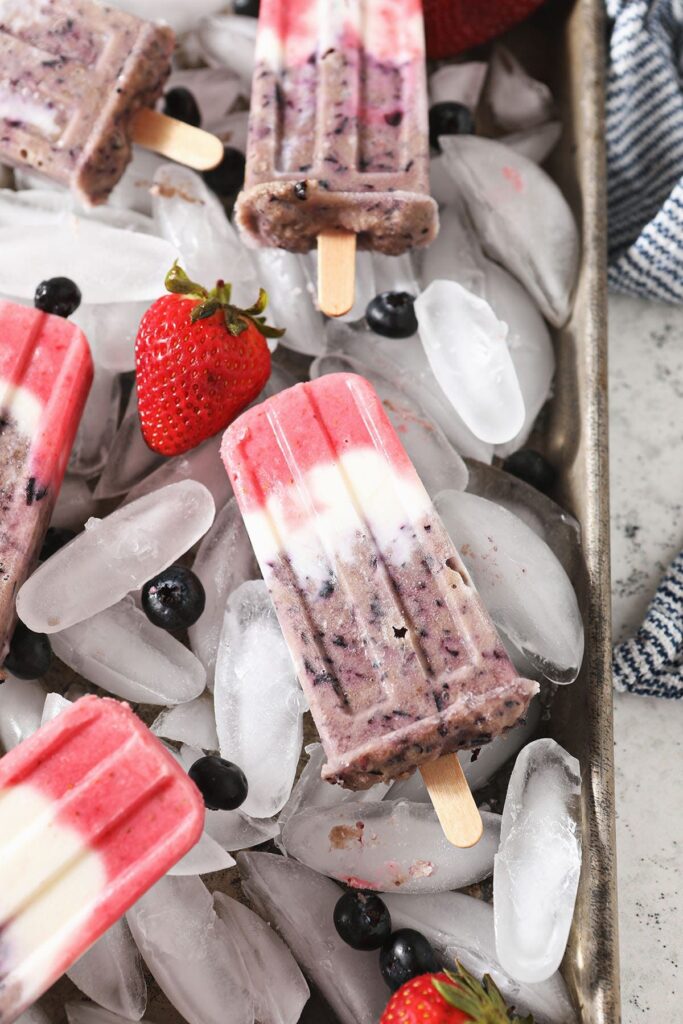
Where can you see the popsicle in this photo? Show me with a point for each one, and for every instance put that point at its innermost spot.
(93, 811)
(77, 83)
(45, 375)
(396, 654)
(338, 139)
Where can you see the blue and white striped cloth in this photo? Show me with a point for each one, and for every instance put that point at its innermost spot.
(644, 106)
(651, 662)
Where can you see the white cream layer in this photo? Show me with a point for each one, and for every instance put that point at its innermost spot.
(22, 405)
(320, 518)
(41, 912)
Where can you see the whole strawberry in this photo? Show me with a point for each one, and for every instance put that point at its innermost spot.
(452, 26)
(198, 361)
(452, 997)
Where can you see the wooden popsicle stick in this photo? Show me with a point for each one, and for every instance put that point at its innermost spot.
(178, 141)
(453, 802)
(336, 271)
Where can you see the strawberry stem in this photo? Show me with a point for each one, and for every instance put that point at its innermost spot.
(209, 302)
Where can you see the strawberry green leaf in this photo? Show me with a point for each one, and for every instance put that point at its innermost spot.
(259, 305)
(179, 283)
(204, 310)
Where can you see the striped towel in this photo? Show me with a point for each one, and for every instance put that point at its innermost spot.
(651, 662)
(644, 106)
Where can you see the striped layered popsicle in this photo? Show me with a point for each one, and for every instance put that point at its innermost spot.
(73, 74)
(45, 375)
(397, 655)
(93, 811)
(338, 134)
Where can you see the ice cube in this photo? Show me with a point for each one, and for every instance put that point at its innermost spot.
(110, 328)
(224, 560)
(388, 846)
(110, 973)
(202, 464)
(175, 13)
(530, 346)
(312, 791)
(458, 83)
(193, 220)
(287, 278)
(521, 217)
(277, 985)
(461, 928)
(535, 143)
(405, 362)
(120, 650)
(259, 704)
(193, 723)
(457, 256)
(75, 504)
(479, 766)
(21, 709)
(97, 428)
(134, 189)
(536, 873)
(191, 953)
(205, 857)
(34, 1015)
(54, 705)
(395, 274)
(300, 904)
(89, 252)
(546, 518)
(515, 99)
(527, 592)
(437, 463)
(130, 460)
(467, 349)
(228, 40)
(46, 205)
(115, 555)
(89, 1013)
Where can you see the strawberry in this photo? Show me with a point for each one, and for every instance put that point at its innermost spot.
(198, 362)
(452, 26)
(452, 997)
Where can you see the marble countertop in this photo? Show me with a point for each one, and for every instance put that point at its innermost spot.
(646, 477)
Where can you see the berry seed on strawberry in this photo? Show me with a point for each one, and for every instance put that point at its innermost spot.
(199, 361)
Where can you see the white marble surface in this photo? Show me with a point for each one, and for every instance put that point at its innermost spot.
(646, 455)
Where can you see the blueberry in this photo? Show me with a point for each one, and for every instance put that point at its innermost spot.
(404, 956)
(58, 295)
(181, 104)
(174, 599)
(247, 7)
(362, 920)
(227, 179)
(449, 118)
(222, 784)
(30, 654)
(392, 314)
(530, 466)
(55, 538)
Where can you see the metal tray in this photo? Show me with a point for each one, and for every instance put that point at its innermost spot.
(562, 45)
(577, 441)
